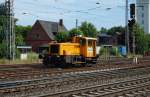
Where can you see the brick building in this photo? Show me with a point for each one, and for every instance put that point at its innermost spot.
(43, 32)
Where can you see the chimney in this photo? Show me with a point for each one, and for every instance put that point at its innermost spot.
(61, 22)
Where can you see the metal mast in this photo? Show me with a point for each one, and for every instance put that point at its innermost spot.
(10, 34)
(127, 28)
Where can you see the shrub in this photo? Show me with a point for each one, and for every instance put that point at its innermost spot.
(32, 56)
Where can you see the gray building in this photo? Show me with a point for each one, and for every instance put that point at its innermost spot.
(143, 14)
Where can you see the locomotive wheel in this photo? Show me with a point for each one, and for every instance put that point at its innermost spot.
(47, 63)
(89, 65)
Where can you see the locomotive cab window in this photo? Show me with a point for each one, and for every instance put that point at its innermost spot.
(90, 43)
(82, 41)
(54, 48)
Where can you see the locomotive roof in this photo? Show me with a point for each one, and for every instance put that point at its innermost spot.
(88, 38)
(65, 43)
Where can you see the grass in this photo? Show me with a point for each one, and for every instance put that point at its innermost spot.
(132, 56)
(32, 58)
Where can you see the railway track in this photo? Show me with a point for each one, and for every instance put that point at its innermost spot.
(138, 87)
(66, 84)
(14, 73)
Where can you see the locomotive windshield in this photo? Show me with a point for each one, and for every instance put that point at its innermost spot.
(82, 41)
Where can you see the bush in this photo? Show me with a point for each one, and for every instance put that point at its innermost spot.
(17, 54)
(32, 56)
(103, 51)
(109, 51)
(3, 49)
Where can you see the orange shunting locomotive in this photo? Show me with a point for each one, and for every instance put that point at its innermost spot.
(81, 51)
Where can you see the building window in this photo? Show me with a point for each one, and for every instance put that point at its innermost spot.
(54, 33)
(143, 22)
(37, 36)
(142, 15)
(142, 8)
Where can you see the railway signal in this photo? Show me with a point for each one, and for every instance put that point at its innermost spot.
(131, 23)
(132, 10)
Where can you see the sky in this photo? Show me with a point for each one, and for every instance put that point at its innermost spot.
(107, 13)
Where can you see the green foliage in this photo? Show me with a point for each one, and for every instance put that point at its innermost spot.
(2, 23)
(23, 30)
(103, 30)
(19, 40)
(148, 42)
(21, 33)
(75, 32)
(114, 30)
(109, 51)
(2, 50)
(61, 36)
(3, 9)
(17, 54)
(88, 29)
(141, 40)
(113, 51)
(32, 56)
(103, 51)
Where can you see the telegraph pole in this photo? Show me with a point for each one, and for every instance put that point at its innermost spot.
(127, 29)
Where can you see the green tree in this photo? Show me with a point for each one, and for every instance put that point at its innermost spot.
(141, 41)
(88, 29)
(2, 24)
(74, 32)
(61, 36)
(22, 30)
(148, 40)
(103, 30)
(114, 30)
(3, 48)
(21, 33)
(19, 40)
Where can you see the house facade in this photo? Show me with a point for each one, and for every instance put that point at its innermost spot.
(42, 33)
(104, 39)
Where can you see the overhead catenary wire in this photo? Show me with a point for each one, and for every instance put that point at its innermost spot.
(88, 12)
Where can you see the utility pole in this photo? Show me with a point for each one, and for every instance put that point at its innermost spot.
(10, 33)
(127, 29)
(76, 23)
(132, 17)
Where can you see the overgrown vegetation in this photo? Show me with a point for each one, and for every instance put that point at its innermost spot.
(20, 35)
(142, 41)
(104, 51)
(31, 58)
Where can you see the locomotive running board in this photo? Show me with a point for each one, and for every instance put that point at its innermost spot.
(79, 62)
